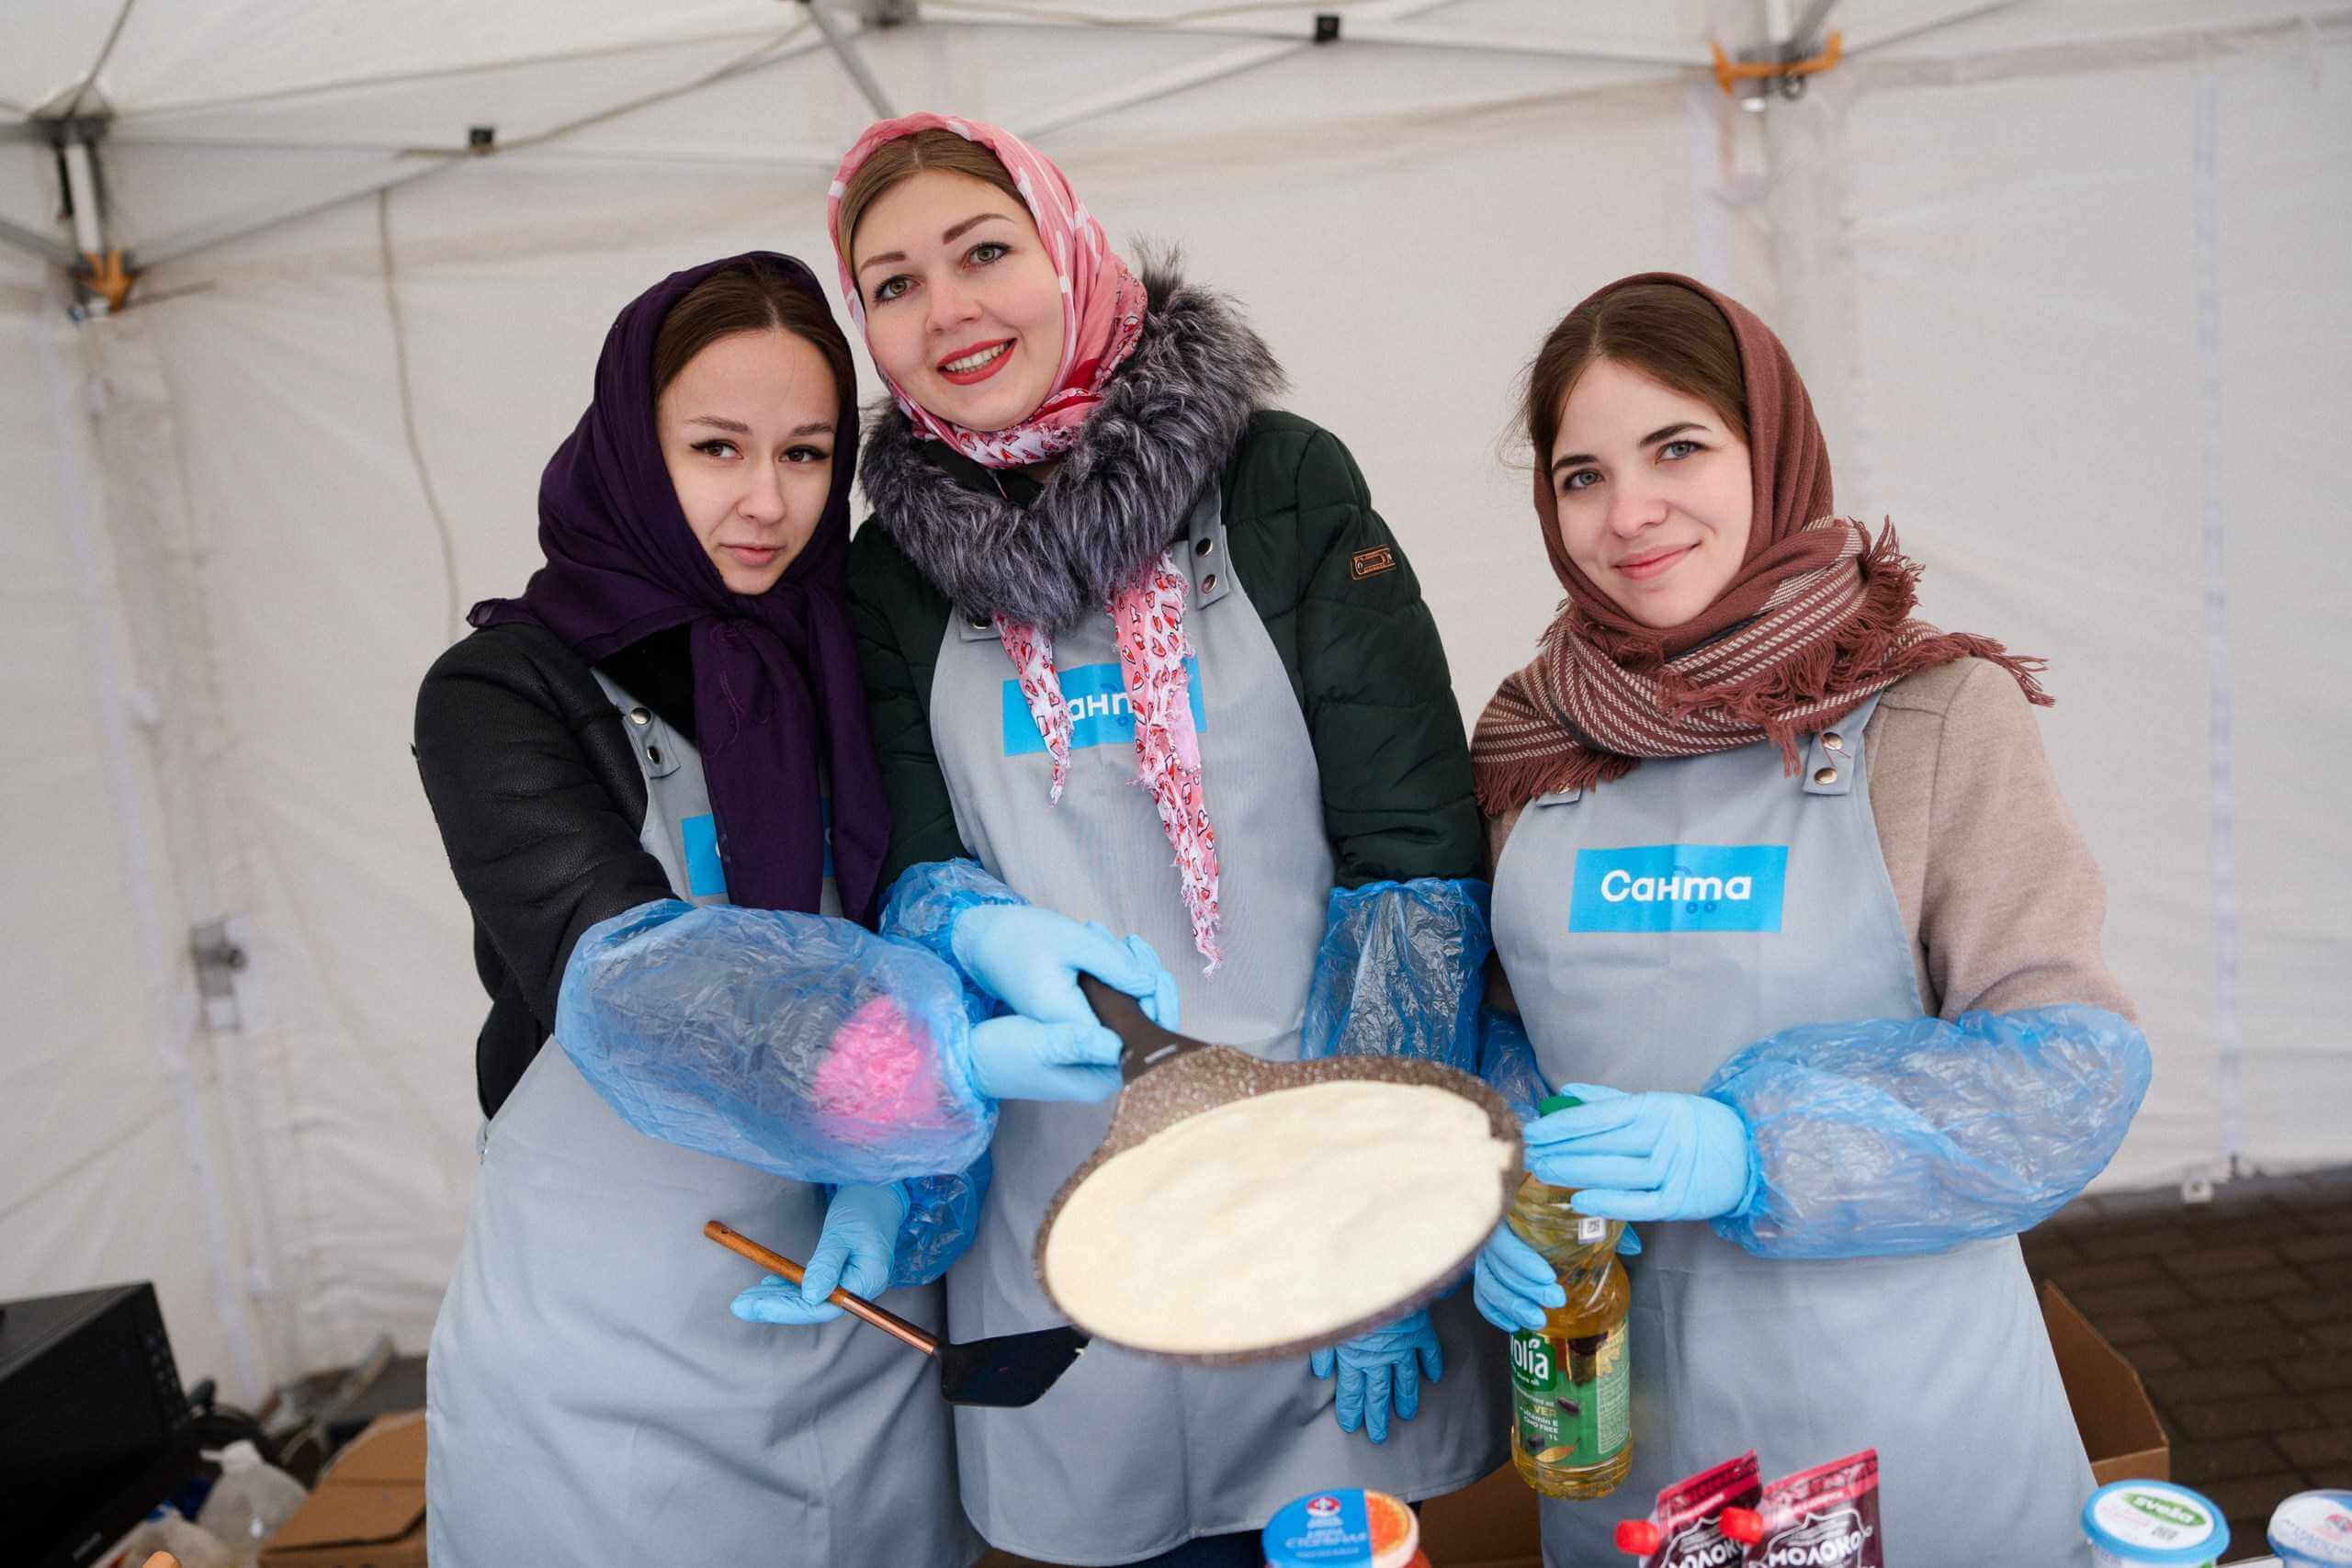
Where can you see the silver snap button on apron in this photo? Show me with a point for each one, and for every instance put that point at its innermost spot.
(1208, 584)
(1824, 775)
(1202, 547)
(639, 715)
(653, 755)
(1834, 741)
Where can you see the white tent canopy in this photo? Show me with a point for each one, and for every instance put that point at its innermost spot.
(2067, 278)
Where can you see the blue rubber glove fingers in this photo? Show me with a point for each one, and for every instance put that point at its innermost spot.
(853, 1251)
(1030, 959)
(1647, 1156)
(1379, 1373)
(855, 1246)
(1160, 1007)
(777, 1300)
(1511, 1284)
(1604, 1109)
(1019, 1058)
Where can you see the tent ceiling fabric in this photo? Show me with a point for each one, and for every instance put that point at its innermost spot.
(2111, 318)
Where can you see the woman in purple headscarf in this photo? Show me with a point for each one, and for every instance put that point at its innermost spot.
(652, 774)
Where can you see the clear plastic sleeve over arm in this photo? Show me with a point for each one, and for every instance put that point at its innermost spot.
(799, 1044)
(1884, 1136)
(1399, 973)
(922, 908)
(1507, 1062)
(943, 1213)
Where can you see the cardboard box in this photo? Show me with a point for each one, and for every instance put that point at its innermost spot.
(1488, 1525)
(2111, 1410)
(369, 1509)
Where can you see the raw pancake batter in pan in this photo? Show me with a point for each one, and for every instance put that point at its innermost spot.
(1277, 1219)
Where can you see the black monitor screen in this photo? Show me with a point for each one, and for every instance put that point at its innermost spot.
(76, 1430)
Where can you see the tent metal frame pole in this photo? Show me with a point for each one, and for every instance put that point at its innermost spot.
(852, 62)
(82, 190)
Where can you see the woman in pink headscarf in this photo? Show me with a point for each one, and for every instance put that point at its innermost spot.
(1139, 650)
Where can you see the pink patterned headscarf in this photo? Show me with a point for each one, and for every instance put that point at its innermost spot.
(1102, 303)
(1103, 312)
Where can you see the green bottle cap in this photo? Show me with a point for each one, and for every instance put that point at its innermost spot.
(1552, 1102)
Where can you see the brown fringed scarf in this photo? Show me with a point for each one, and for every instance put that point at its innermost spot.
(1817, 619)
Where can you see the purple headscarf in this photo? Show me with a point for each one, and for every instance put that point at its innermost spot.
(776, 692)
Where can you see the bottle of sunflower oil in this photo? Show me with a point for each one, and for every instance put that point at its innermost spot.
(1571, 1429)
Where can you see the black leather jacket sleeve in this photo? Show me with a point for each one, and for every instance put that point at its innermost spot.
(539, 798)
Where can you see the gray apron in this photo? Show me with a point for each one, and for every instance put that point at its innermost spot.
(1783, 915)
(590, 1398)
(1129, 1456)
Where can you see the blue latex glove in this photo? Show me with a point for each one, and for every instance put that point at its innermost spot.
(1512, 1284)
(1019, 1058)
(1030, 959)
(854, 1252)
(1380, 1370)
(1644, 1156)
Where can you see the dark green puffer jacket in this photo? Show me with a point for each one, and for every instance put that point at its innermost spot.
(1337, 597)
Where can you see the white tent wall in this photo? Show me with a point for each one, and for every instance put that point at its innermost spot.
(110, 1105)
(2006, 346)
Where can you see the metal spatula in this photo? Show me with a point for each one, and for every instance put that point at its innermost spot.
(1007, 1372)
(1169, 1078)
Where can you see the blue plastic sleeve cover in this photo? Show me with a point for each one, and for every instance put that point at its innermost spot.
(922, 906)
(1885, 1137)
(1507, 1062)
(1400, 972)
(800, 1044)
(942, 1214)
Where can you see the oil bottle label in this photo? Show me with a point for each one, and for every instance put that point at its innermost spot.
(1570, 1396)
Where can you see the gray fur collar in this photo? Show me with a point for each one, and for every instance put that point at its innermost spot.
(1166, 426)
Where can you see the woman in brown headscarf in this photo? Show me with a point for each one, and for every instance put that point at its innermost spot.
(1785, 895)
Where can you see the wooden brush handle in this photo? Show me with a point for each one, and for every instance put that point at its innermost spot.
(858, 1307)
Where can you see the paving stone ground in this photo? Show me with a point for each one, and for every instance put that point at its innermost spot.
(2238, 1314)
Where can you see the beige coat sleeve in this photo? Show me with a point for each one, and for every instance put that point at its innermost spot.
(2005, 908)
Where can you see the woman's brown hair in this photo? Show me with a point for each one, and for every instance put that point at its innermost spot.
(748, 296)
(1665, 332)
(907, 155)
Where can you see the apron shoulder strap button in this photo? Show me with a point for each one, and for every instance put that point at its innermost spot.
(1824, 775)
(639, 717)
(1202, 547)
(1834, 741)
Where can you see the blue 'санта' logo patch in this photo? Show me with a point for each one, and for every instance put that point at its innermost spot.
(1098, 713)
(1679, 887)
(706, 873)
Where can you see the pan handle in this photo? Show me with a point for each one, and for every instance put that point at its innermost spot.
(889, 1323)
(1147, 1045)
